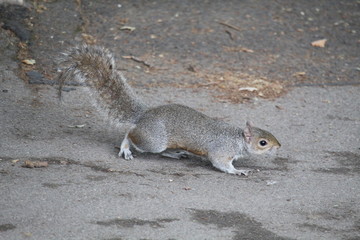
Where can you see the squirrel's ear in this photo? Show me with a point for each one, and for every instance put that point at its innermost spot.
(249, 124)
(247, 132)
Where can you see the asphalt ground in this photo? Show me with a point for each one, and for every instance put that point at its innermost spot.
(59, 171)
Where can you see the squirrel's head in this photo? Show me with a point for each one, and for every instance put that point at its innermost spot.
(259, 141)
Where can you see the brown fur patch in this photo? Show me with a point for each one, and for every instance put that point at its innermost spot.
(134, 138)
(200, 152)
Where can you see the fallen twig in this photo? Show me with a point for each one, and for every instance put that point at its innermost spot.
(137, 60)
(229, 25)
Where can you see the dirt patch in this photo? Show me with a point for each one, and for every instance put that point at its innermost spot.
(6, 227)
(349, 162)
(255, 55)
(314, 227)
(132, 222)
(335, 170)
(177, 174)
(244, 226)
(65, 162)
(341, 118)
(348, 159)
(228, 86)
(338, 214)
(52, 185)
(17, 20)
(114, 238)
(239, 87)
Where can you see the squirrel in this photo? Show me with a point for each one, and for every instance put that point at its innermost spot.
(164, 128)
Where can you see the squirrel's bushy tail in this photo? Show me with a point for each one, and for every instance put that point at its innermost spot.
(95, 66)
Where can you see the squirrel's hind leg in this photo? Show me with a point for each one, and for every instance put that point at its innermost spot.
(145, 139)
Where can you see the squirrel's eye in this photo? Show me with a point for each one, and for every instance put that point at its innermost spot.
(263, 143)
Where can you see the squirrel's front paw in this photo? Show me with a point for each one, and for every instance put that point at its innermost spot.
(244, 172)
(126, 153)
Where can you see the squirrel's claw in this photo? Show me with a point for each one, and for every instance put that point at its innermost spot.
(244, 172)
(126, 153)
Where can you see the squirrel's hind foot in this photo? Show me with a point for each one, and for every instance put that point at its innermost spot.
(125, 149)
(126, 154)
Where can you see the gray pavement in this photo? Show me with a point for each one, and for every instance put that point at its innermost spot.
(309, 190)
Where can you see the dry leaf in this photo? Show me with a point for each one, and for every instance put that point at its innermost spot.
(41, 8)
(88, 38)
(299, 74)
(247, 50)
(77, 126)
(29, 61)
(123, 21)
(250, 89)
(238, 49)
(319, 43)
(36, 164)
(128, 28)
(27, 234)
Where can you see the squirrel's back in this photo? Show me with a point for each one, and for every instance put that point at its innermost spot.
(95, 66)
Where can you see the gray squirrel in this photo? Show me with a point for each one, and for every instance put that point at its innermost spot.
(163, 128)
